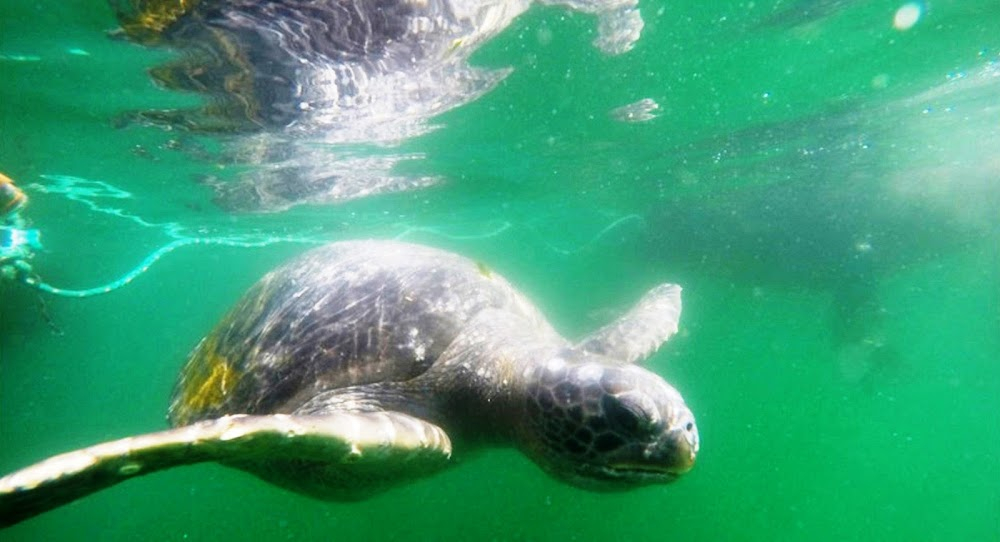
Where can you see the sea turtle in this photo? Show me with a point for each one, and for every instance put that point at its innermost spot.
(362, 363)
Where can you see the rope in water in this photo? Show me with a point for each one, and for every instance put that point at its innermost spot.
(85, 191)
(35, 282)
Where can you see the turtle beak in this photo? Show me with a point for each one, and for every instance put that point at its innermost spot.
(670, 456)
(684, 449)
(675, 451)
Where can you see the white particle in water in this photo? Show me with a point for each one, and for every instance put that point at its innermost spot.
(907, 16)
(20, 58)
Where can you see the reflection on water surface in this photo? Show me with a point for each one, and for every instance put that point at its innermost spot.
(314, 80)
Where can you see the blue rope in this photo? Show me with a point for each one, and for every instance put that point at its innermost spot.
(144, 265)
(85, 191)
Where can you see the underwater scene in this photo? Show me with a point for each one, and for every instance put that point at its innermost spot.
(820, 177)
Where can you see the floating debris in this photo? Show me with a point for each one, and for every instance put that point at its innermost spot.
(19, 58)
(642, 111)
(907, 16)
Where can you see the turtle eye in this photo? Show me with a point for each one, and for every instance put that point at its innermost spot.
(625, 414)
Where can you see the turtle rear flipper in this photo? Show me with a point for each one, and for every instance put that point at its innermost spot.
(640, 331)
(341, 447)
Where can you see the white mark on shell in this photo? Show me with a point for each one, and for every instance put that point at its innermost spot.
(419, 347)
(555, 364)
(591, 372)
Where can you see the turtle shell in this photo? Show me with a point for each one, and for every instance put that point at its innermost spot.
(341, 315)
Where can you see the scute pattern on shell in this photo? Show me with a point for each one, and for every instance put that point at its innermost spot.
(338, 316)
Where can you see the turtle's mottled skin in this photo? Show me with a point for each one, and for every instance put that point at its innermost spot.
(360, 364)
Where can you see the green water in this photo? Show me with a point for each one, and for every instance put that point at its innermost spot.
(824, 185)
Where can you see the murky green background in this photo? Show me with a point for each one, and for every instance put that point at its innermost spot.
(824, 185)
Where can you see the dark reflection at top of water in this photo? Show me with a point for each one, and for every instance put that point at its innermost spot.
(309, 75)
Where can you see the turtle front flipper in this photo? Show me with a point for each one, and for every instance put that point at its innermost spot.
(639, 332)
(341, 447)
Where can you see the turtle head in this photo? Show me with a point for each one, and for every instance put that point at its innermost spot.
(603, 425)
